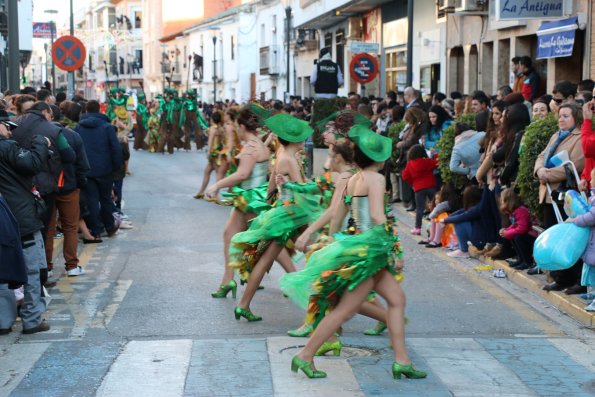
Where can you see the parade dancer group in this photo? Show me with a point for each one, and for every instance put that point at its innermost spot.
(339, 219)
(166, 124)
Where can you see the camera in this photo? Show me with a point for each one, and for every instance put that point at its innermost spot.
(9, 124)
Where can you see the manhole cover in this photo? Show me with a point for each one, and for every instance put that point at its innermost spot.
(346, 352)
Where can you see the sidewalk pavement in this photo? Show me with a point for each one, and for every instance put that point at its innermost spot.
(571, 305)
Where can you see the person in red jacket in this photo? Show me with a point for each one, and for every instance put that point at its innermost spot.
(520, 231)
(588, 143)
(419, 173)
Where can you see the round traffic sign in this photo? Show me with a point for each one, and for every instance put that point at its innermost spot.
(363, 68)
(68, 53)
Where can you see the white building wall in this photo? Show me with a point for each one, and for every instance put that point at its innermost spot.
(429, 41)
(270, 26)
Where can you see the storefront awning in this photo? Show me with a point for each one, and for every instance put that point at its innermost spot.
(556, 39)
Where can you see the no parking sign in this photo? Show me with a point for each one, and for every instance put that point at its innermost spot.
(68, 53)
(363, 68)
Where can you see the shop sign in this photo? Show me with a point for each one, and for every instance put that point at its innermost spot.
(42, 30)
(556, 39)
(358, 47)
(529, 9)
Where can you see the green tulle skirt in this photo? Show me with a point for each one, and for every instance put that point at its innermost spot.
(279, 224)
(340, 267)
(251, 200)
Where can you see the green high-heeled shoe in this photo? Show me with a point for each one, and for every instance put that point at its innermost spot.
(224, 290)
(408, 371)
(246, 313)
(326, 347)
(377, 330)
(306, 367)
(301, 333)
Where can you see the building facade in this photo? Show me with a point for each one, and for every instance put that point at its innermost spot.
(480, 45)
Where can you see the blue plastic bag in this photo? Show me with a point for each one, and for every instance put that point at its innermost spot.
(560, 246)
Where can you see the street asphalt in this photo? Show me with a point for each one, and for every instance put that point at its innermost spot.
(141, 321)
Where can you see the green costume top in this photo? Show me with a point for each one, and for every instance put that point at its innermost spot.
(251, 194)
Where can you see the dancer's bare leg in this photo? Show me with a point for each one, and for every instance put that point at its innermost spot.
(285, 261)
(237, 222)
(349, 305)
(261, 267)
(395, 298)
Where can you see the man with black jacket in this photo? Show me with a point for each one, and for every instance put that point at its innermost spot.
(36, 121)
(18, 166)
(326, 76)
(105, 157)
(67, 202)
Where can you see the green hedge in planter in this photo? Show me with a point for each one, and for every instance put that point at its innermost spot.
(321, 109)
(445, 146)
(393, 133)
(537, 135)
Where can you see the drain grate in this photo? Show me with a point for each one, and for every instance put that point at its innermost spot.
(348, 351)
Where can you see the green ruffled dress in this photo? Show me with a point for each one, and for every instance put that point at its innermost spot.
(344, 264)
(251, 194)
(298, 205)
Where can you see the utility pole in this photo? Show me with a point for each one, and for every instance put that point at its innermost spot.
(14, 84)
(70, 90)
(288, 39)
(214, 69)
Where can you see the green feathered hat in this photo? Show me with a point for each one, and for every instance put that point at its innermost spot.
(140, 95)
(259, 111)
(375, 146)
(289, 128)
(113, 90)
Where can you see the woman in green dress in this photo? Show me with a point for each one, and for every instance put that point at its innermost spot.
(248, 190)
(252, 252)
(366, 260)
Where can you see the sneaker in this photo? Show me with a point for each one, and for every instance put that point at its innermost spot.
(50, 273)
(74, 272)
(125, 225)
(416, 231)
(591, 307)
(123, 217)
(458, 254)
(59, 235)
(499, 273)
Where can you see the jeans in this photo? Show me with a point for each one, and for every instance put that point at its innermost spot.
(33, 305)
(98, 193)
(8, 307)
(464, 230)
(68, 208)
(118, 192)
(421, 197)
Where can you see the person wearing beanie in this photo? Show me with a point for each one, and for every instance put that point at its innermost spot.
(326, 76)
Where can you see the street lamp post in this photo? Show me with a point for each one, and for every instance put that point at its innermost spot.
(214, 69)
(53, 37)
(288, 37)
(70, 87)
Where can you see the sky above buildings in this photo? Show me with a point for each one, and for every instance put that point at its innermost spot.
(62, 6)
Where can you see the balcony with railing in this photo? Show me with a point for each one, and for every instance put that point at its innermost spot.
(270, 60)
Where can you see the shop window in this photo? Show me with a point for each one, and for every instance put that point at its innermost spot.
(328, 40)
(396, 69)
(340, 49)
(138, 19)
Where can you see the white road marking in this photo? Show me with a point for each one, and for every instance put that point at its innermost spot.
(467, 369)
(16, 361)
(148, 368)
